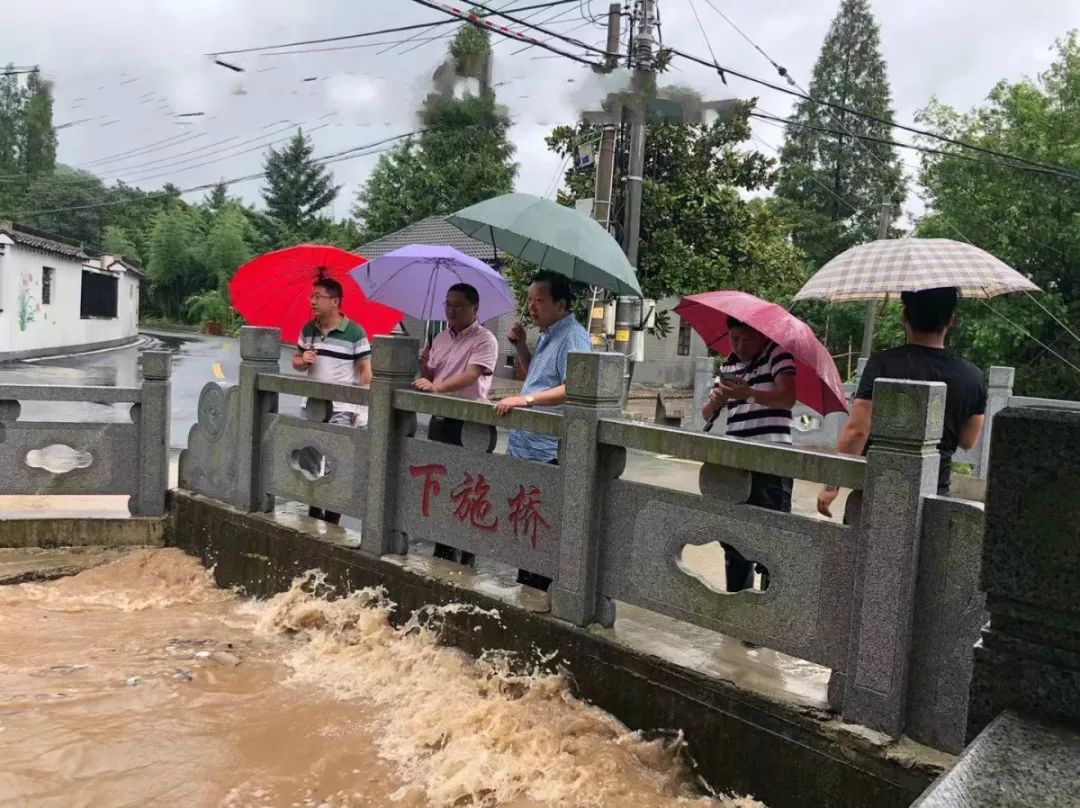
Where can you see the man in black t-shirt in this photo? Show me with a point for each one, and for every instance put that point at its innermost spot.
(928, 316)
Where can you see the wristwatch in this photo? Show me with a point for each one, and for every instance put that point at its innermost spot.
(529, 401)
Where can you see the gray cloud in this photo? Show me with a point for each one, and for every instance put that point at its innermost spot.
(141, 63)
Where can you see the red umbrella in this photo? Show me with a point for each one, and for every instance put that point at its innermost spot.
(274, 290)
(817, 381)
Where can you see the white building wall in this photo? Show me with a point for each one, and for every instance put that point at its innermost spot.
(56, 326)
(663, 364)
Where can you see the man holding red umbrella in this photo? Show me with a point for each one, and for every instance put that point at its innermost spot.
(757, 387)
(332, 348)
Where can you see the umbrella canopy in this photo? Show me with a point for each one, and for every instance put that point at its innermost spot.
(817, 381)
(551, 236)
(890, 266)
(415, 279)
(274, 290)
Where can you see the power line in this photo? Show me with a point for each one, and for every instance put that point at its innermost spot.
(395, 30)
(177, 169)
(506, 32)
(162, 162)
(913, 146)
(723, 70)
(356, 151)
(779, 68)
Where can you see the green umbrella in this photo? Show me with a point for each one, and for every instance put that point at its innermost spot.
(551, 236)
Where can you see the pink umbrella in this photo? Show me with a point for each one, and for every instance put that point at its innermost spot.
(817, 381)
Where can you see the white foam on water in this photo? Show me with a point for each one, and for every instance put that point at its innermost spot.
(471, 732)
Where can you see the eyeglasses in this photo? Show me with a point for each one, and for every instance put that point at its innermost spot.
(317, 296)
(457, 306)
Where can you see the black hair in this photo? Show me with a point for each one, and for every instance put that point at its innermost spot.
(332, 288)
(733, 323)
(558, 284)
(929, 310)
(468, 290)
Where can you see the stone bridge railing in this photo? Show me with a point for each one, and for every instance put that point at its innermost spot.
(48, 457)
(889, 600)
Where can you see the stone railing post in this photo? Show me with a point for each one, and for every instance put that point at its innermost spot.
(593, 390)
(902, 467)
(260, 351)
(152, 416)
(1028, 658)
(394, 364)
(998, 393)
(703, 382)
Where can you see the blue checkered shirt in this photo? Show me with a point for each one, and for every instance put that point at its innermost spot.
(546, 370)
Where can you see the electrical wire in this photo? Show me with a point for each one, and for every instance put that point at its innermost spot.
(783, 71)
(723, 70)
(912, 146)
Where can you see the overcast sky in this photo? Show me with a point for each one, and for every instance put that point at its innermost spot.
(131, 67)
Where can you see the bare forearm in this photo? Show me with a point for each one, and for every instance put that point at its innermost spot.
(550, 397)
(852, 441)
(524, 356)
(459, 381)
(777, 399)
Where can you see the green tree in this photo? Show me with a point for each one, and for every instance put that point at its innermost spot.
(37, 142)
(177, 269)
(11, 120)
(228, 244)
(698, 232)
(297, 186)
(831, 185)
(116, 241)
(218, 197)
(461, 157)
(69, 203)
(1029, 220)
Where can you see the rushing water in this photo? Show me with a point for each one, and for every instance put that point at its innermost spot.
(139, 683)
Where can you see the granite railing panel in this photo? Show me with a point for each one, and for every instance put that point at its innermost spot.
(803, 612)
(950, 611)
(39, 457)
(319, 464)
(546, 423)
(302, 386)
(58, 458)
(494, 506)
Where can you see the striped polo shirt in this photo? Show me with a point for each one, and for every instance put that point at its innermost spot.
(753, 421)
(336, 355)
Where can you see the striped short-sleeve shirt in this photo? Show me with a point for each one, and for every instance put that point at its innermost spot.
(336, 354)
(750, 420)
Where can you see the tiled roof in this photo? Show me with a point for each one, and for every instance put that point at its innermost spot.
(38, 240)
(432, 230)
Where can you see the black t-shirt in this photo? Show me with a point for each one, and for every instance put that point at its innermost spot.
(965, 397)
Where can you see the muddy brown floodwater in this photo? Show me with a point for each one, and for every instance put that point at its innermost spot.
(139, 683)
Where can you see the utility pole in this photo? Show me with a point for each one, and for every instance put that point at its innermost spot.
(605, 165)
(884, 221)
(643, 87)
(605, 173)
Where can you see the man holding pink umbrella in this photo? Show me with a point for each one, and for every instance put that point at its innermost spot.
(774, 359)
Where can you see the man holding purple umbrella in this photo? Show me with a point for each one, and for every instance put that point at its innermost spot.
(460, 363)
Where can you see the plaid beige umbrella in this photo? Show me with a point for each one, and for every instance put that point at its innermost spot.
(888, 267)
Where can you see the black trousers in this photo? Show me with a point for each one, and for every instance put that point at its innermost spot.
(448, 430)
(535, 579)
(766, 491)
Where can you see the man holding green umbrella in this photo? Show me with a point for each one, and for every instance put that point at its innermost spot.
(550, 295)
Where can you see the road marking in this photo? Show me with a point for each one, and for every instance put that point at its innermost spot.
(219, 374)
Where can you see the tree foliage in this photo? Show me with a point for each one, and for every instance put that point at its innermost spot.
(297, 187)
(461, 157)
(1029, 220)
(698, 231)
(831, 185)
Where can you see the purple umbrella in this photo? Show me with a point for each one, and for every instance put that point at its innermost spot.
(415, 279)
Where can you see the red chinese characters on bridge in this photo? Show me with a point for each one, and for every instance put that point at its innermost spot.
(472, 505)
(525, 514)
